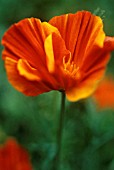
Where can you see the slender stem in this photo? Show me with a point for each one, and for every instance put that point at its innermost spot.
(61, 123)
(60, 132)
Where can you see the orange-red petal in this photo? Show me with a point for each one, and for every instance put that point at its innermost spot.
(27, 71)
(22, 83)
(86, 87)
(81, 32)
(25, 40)
(82, 90)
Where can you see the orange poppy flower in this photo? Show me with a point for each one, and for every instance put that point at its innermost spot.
(13, 157)
(104, 95)
(69, 53)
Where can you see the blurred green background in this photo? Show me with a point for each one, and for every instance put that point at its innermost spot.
(88, 140)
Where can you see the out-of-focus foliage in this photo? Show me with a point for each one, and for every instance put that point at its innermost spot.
(88, 139)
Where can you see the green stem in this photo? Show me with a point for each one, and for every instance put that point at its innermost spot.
(60, 132)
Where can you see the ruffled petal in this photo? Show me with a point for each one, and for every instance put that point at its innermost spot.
(97, 58)
(81, 91)
(27, 71)
(87, 86)
(26, 40)
(22, 84)
(68, 26)
(99, 63)
(81, 32)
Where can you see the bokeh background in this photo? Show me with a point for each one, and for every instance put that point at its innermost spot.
(88, 139)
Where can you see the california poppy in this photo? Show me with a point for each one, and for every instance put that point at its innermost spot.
(14, 157)
(69, 53)
(104, 95)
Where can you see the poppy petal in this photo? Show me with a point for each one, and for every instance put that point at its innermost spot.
(87, 86)
(101, 58)
(64, 23)
(81, 92)
(27, 71)
(29, 88)
(26, 40)
(87, 31)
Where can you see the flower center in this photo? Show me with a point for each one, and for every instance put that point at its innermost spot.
(70, 68)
